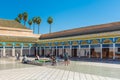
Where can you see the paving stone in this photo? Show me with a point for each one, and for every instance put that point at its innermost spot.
(50, 73)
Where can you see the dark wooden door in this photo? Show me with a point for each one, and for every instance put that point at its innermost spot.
(74, 52)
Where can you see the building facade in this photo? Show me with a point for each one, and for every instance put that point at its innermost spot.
(99, 41)
(16, 39)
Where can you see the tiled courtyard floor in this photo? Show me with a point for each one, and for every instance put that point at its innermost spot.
(13, 70)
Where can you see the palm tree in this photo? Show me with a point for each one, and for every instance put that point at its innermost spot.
(34, 21)
(20, 16)
(25, 17)
(30, 23)
(17, 19)
(38, 21)
(50, 21)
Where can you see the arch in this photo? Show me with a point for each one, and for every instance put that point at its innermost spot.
(107, 41)
(74, 43)
(84, 42)
(53, 44)
(118, 40)
(95, 41)
(17, 45)
(66, 43)
(1, 44)
(26, 45)
(9, 44)
(46, 44)
(59, 43)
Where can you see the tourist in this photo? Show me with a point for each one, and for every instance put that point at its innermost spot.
(24, 60)
(66, 60)
(53, 59)
(37, 57)
(61, 56)
(18, 56)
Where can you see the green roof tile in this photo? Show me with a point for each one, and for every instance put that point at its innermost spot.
(17, 39)
(11, 24)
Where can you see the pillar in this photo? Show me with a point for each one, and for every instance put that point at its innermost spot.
(70, 50)
(101, 51)
(89, 51)
(56, 51)
(40, 50)
(50, 50)
(63, 49)
(79, 50)
(113, 50)
(29, 51)
(36, 51)
(13, 50)
(21, 51)
(44, 51)
(4, 53)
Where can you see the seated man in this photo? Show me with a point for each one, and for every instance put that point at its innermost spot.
(37, 57)
(53, 58)
(24, 60)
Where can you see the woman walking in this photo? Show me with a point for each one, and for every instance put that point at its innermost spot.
(66, 61)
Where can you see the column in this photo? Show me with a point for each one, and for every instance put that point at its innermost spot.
(21, 51)
(13, 50)
(79, 50)
(63, 50)
(36, 51)
(0, 53)
(56, 51)
(70, 50)
(89, 51)
(4, 53)
(101, 51)
(44, 51)
(29, 51)
(113, 50)
(40, 50)
(50, 50)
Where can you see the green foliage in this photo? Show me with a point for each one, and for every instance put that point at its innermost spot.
(25, 17)
(20, 16)
(30, 22)
(38, 20)
(50, 20)
(17, 19)
(34, 19)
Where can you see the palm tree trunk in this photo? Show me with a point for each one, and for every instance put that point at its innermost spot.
(38, 29)
(34, 28)
(50, 29)
(24, 23)
(29, 26)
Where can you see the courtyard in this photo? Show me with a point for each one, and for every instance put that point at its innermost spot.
(10, 69)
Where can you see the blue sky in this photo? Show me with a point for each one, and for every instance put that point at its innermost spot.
(67, 14)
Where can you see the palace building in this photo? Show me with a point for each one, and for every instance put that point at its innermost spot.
(98, 41)
(16, 38)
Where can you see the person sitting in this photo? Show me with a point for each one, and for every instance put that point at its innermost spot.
(53, 58)
(37, 57)
(17, 56)
(61, 56)
(24, 60)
